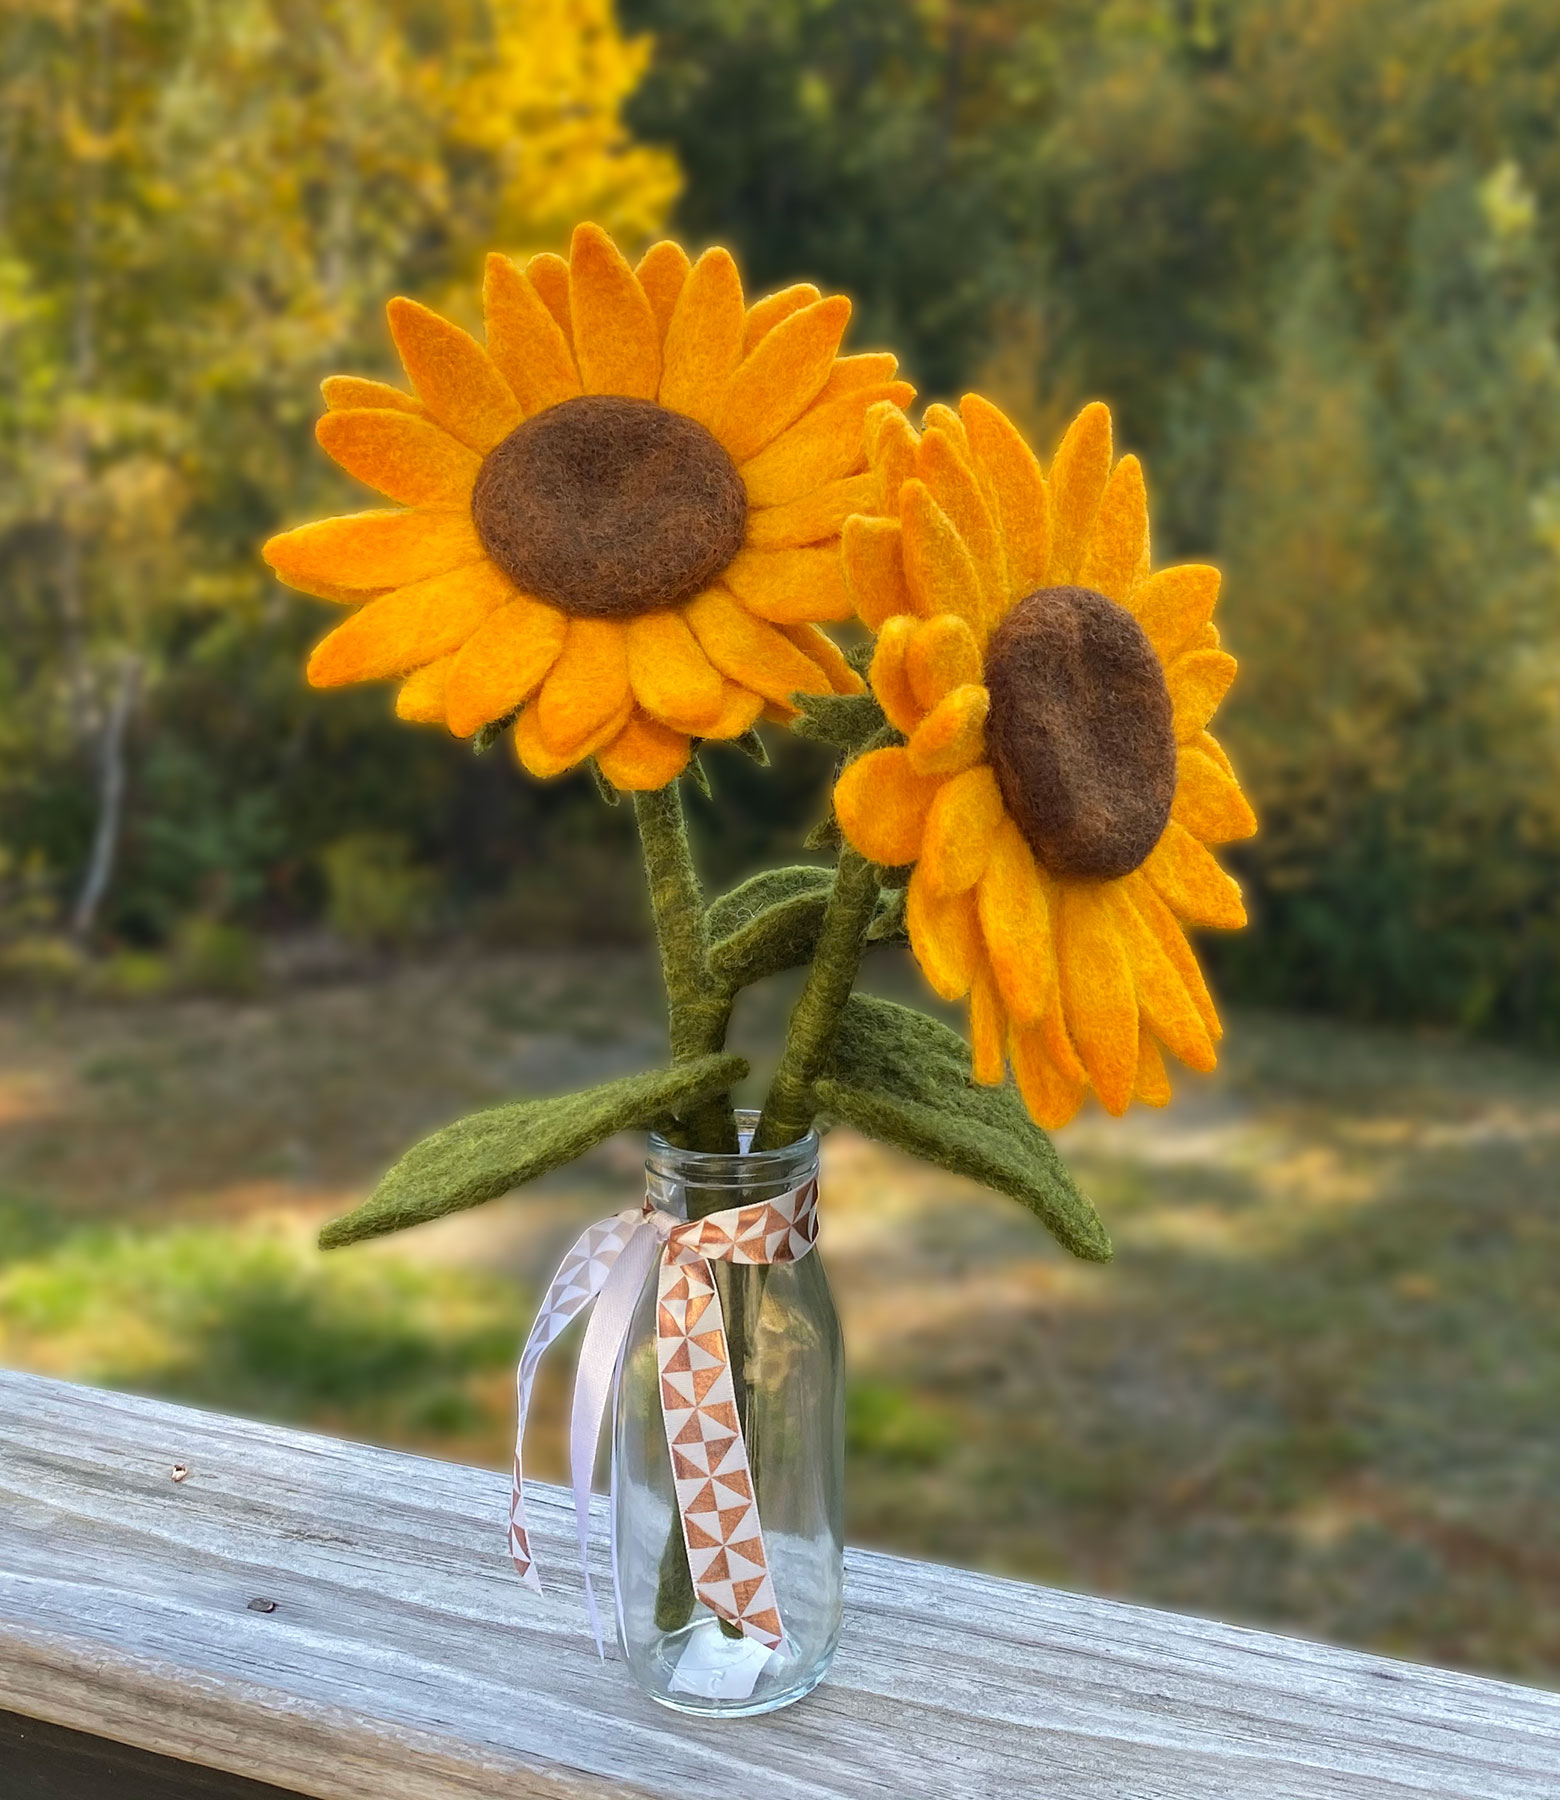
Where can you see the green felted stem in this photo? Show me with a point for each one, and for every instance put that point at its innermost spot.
(480, 1157)
(904, 1079)
(698, 1006)
(698, 1012)
(791, 1105)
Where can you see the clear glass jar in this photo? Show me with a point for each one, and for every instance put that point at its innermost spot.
(788, 1367)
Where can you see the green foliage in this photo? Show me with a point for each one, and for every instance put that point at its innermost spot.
(902, 1078)
(253, 1320)
(377, 894)
(488, 1153)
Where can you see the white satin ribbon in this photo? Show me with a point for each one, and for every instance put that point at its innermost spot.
(710, 1473)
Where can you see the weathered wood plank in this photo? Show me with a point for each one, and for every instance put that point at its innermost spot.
(404, 1661)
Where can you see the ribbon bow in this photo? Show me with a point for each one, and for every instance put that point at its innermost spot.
(714, 1485)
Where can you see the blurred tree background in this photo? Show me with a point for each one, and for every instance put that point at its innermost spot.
(1307, 249)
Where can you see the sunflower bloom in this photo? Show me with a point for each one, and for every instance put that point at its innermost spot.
(1058, 787)
(617, 523)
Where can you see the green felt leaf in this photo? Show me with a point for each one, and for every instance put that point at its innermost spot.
(699, 776)
(771, 922)
(752, 746)
(485, 1155)
(848, 722)
(733, 911)
(904, 1079)
(888, 925)
(486, 736)
(603, 787)
(825, 835)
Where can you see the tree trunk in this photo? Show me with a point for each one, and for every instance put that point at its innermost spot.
(111, 800)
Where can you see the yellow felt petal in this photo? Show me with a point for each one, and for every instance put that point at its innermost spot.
(780, 377)
(939, 570)
(1098, 997)
(405, 457)
(951, 483)
(1119, 538)
(375, 549)
(549, 275)
(953, 733)
(881, 804)
(1052, 1097)
(343, 392)
(739, 710)
(890, 682)
(704, 339)
(585, 687)
(645, 755)
(503, 662)
(454, 376)
(539, 759)
(420, 698)
(403, 630)
(1198, 681)
(747, 650)
(945, 936)
(1152, 1086)
(1015, 923)
(1215, 752)
(1208, 800)
(944, 419)
(1078, 477)
(1059, 1046)
(1168, 1008)
(874, 369)
(790, 586)
(815, 517)
(764, 315)
(961, 828)
(827, 442)
(988, 1030)
(671, 676)
(1174, 605)
(1191, 883)
(818, 647)
(1172, 940)
(662, 270)
(1011, 475)
(617, 342)
(942, 655)
(871, 557)
(892, 443)
(525, 341)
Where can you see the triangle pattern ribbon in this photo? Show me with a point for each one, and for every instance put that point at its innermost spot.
(711, 1474)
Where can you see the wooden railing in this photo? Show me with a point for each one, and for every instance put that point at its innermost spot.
(342, 1622)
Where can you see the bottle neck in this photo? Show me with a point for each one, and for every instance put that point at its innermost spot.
(692, 1184)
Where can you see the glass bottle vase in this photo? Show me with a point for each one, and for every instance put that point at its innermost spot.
(787, 1365)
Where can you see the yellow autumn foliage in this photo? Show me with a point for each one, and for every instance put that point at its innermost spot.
(544, 101)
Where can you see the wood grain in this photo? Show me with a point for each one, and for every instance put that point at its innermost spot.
(404, 1660)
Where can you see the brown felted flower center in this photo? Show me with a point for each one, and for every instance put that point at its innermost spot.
(1079, 733)
(608, 506)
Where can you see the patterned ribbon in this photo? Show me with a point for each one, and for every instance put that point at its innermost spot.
(714, 1485)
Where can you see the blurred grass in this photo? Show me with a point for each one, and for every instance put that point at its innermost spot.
(1316, 1390)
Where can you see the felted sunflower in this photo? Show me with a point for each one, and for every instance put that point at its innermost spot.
(621, 516)
(1058, 788)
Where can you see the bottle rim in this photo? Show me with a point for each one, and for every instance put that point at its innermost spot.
(718, 1168)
